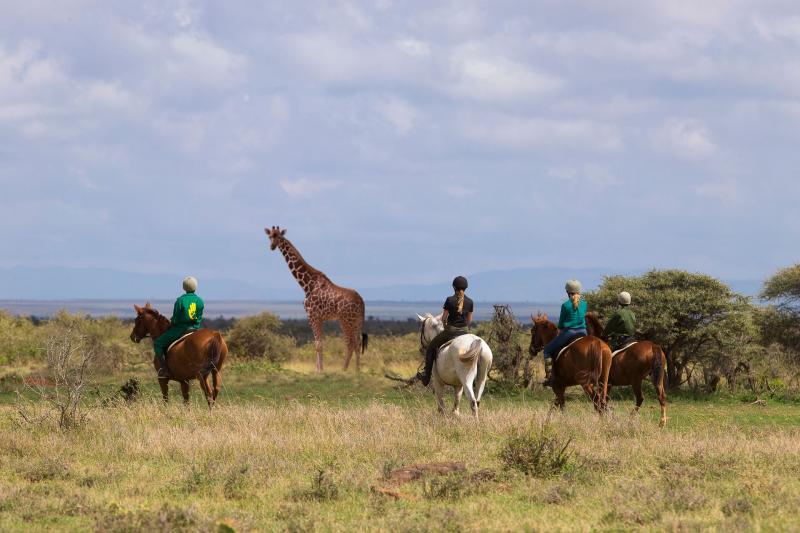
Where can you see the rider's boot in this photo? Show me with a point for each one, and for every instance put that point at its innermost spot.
(548, 372)
(163, 371)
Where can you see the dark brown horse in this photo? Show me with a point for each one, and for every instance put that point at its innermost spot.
(587, 363)
(632, 365)
(195, 357)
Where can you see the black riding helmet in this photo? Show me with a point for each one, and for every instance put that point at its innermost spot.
(460, 283)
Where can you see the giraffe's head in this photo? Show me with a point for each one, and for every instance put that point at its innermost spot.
(275, 234)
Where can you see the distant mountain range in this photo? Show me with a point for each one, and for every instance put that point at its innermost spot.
(544, 284)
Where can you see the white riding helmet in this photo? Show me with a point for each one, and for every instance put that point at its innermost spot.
(624, 298)
(189, 284)
(573, 286)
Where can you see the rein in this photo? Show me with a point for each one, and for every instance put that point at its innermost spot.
(423, 346)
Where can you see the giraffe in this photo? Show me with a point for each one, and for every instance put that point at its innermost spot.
(324, 300)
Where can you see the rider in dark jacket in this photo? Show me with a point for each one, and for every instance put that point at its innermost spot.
(457, 316)
(621, 326)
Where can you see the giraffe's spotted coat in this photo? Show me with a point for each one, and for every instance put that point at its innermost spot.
(324, 299)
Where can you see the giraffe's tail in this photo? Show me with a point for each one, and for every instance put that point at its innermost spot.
(364, 342)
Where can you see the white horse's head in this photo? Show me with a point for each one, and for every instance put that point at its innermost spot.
(430, 327)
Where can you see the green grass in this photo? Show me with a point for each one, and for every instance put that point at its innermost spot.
(286, 449)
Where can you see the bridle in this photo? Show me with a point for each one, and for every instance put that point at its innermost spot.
(423, 346)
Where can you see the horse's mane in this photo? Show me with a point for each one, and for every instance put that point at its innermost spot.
(594, 322)
(154, 312)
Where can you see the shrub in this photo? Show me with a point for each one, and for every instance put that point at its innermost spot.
(695, 318)
(538, 452)
(20, 339)
(69, 362)
(257, 337)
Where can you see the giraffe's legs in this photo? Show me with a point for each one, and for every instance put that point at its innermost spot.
(352, 337)
(316, 328)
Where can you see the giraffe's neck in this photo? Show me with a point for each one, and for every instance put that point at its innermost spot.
(307, 276)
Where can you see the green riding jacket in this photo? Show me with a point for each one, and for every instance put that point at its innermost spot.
(187, 314)
(621, 325)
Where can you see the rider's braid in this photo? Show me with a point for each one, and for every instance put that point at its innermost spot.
(576, 299)
(460, 301)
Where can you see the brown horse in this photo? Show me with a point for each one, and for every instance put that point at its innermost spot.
(632, 365)
(195, 357)
(587, 363)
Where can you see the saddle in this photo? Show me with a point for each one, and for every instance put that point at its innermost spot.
(628, 345)
(180, 339)
(564, 349)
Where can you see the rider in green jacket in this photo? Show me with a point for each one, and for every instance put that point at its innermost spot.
(187, 314)
(621, 326)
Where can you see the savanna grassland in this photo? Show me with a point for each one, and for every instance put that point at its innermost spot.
(287, 449)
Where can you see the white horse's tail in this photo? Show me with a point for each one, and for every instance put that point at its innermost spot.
(471, 353)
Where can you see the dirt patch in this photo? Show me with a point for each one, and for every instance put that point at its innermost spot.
(413, 472)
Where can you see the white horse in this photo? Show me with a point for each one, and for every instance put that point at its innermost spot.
(457, 364)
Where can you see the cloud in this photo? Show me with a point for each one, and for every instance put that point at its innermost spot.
(685, 138)
(414, 47)
(517, 133)
(203, 61)
(459, 191)
(726, 192)
(304, 187)
(402, 115)
(481, 75)
(589, 174)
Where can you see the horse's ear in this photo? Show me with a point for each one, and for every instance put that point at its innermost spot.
(138, 309)
(148, 306)
(533, 319)
(544, 316)
(420, 317)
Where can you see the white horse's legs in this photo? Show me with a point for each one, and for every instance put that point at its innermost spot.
(457, 399)
(473, 402)
(438, 389)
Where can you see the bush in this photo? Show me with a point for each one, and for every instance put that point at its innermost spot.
(538, 452)
(257, 337)
(20, 339)
(696, 319)
(780, 323)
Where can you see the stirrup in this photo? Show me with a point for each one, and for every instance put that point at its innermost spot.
(163, 373)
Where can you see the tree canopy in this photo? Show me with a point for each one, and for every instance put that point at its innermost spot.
(696, 318)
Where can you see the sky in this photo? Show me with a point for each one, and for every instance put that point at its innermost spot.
(400, 142)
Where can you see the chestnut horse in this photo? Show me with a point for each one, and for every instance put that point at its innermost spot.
(632, 365)
(586, 362)
(195, 357)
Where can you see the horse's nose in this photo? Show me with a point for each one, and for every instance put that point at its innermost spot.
(134, 338)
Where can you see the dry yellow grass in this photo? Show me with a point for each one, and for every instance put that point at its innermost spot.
(313, 465)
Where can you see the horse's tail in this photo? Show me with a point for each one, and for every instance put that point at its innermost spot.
(484, 364)
(472, 352)
(658, 372)
(600, 358)
(364, 342)
(595, 362)
(213, 352)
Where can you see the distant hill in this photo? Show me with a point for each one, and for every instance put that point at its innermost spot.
(518, 285)
(542, 285)
(61, 283)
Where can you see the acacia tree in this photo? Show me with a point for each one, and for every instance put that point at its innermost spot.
(696, 318)
(781, 321)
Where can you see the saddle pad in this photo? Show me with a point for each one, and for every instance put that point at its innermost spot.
(623, 348)
(445, 345)
(564, 349)
(180, 339)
